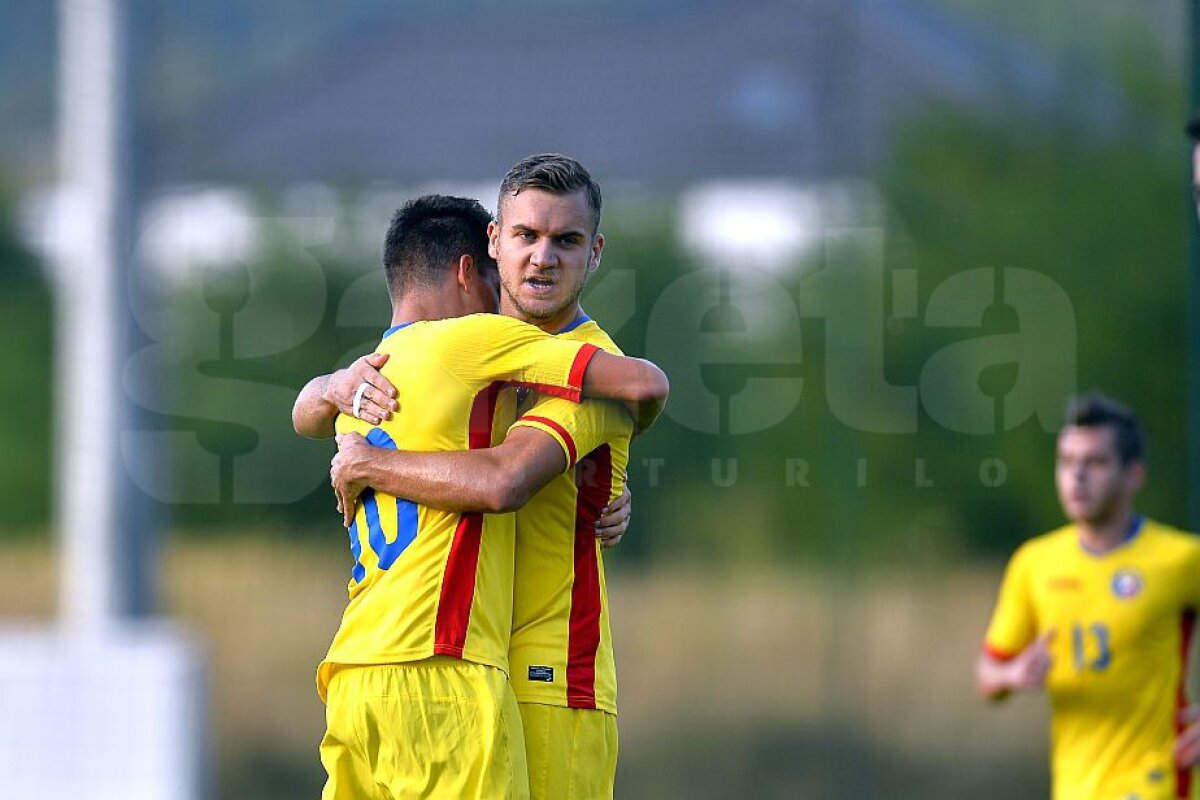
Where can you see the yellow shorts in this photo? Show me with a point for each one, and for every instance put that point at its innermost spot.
(572, 752)
(437, 728)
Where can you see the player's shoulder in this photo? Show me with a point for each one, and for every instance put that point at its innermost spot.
(1046, 546)
(1171, 538)
(487, 329)
(589, 331)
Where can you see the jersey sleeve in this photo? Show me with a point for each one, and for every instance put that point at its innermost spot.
(1014, 621)
(491, 347)
(578, 428)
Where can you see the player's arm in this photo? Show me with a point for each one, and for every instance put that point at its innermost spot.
(997, 676)
(1187, 745)
(326, 396)
(492, 480)
(490, 347)
(638, 383)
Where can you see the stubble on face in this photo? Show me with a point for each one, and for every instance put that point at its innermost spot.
(545, 246)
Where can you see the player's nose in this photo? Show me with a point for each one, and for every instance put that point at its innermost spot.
(544, 255)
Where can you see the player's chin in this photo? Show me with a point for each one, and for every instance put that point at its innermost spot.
(543, 307)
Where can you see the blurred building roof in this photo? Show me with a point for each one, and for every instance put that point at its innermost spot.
(795, 88)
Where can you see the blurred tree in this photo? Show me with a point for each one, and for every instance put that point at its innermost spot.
(26, 396)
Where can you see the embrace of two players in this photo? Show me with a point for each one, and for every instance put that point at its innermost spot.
(480, 473)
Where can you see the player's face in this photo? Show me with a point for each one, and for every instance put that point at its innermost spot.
(546, 251)
(1092, 483)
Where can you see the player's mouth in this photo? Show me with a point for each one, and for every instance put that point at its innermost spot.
(539, 285)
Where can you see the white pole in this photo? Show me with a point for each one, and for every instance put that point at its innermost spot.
(91, 133)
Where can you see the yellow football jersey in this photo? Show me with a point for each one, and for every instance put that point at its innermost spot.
(561, 651)
(426, 581)
(1121, 624)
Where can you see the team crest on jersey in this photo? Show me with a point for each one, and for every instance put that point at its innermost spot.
(1127, 584)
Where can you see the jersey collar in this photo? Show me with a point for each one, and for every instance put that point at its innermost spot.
(1135, 527)
(582, 318)
(395, 328)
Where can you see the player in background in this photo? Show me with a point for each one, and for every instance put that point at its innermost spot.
(1099, 613)
(546, 239)
(418, 700)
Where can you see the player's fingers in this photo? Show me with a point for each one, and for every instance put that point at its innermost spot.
(345, 507)
(365, 371)
(1187, 748)
(621, 502)
(1190, 714)
(380, 393)
(613, 519)
(611, 526)
(377, 411)
(611, 542)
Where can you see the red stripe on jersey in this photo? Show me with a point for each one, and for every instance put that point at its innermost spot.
(483, 413)
(593, 479)
(997, 654)
(573, 391)
(458, 582)
(458, 587)
(580, 365)
(560, 430)
(1183, 777)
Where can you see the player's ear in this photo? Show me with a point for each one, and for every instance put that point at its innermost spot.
(1135, 476)
(493, 234)
(597, 250)
(466, 275)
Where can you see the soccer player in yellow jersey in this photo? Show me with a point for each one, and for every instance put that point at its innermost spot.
(418, 701)
(1099, 613)
(560, 465)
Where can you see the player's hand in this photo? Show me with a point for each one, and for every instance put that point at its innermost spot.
(1031, 666)
(345, 473)
(1187, 745)
(378, 399)
(614, 520)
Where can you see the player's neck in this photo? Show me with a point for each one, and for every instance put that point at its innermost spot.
(550, 326)
(422, 307)
(1101, 537)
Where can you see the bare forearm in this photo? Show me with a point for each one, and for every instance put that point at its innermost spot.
(640, 384)
(312, 416)
(450, 481)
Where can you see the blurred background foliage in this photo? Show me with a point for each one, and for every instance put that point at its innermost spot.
(1101, 216)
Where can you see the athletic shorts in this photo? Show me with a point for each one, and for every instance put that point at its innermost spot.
(572, 752)
(436, 728)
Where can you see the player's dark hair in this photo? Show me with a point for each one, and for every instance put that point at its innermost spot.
(554, 173)
(1096, 410)
(1193, 128)
(427, 237)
